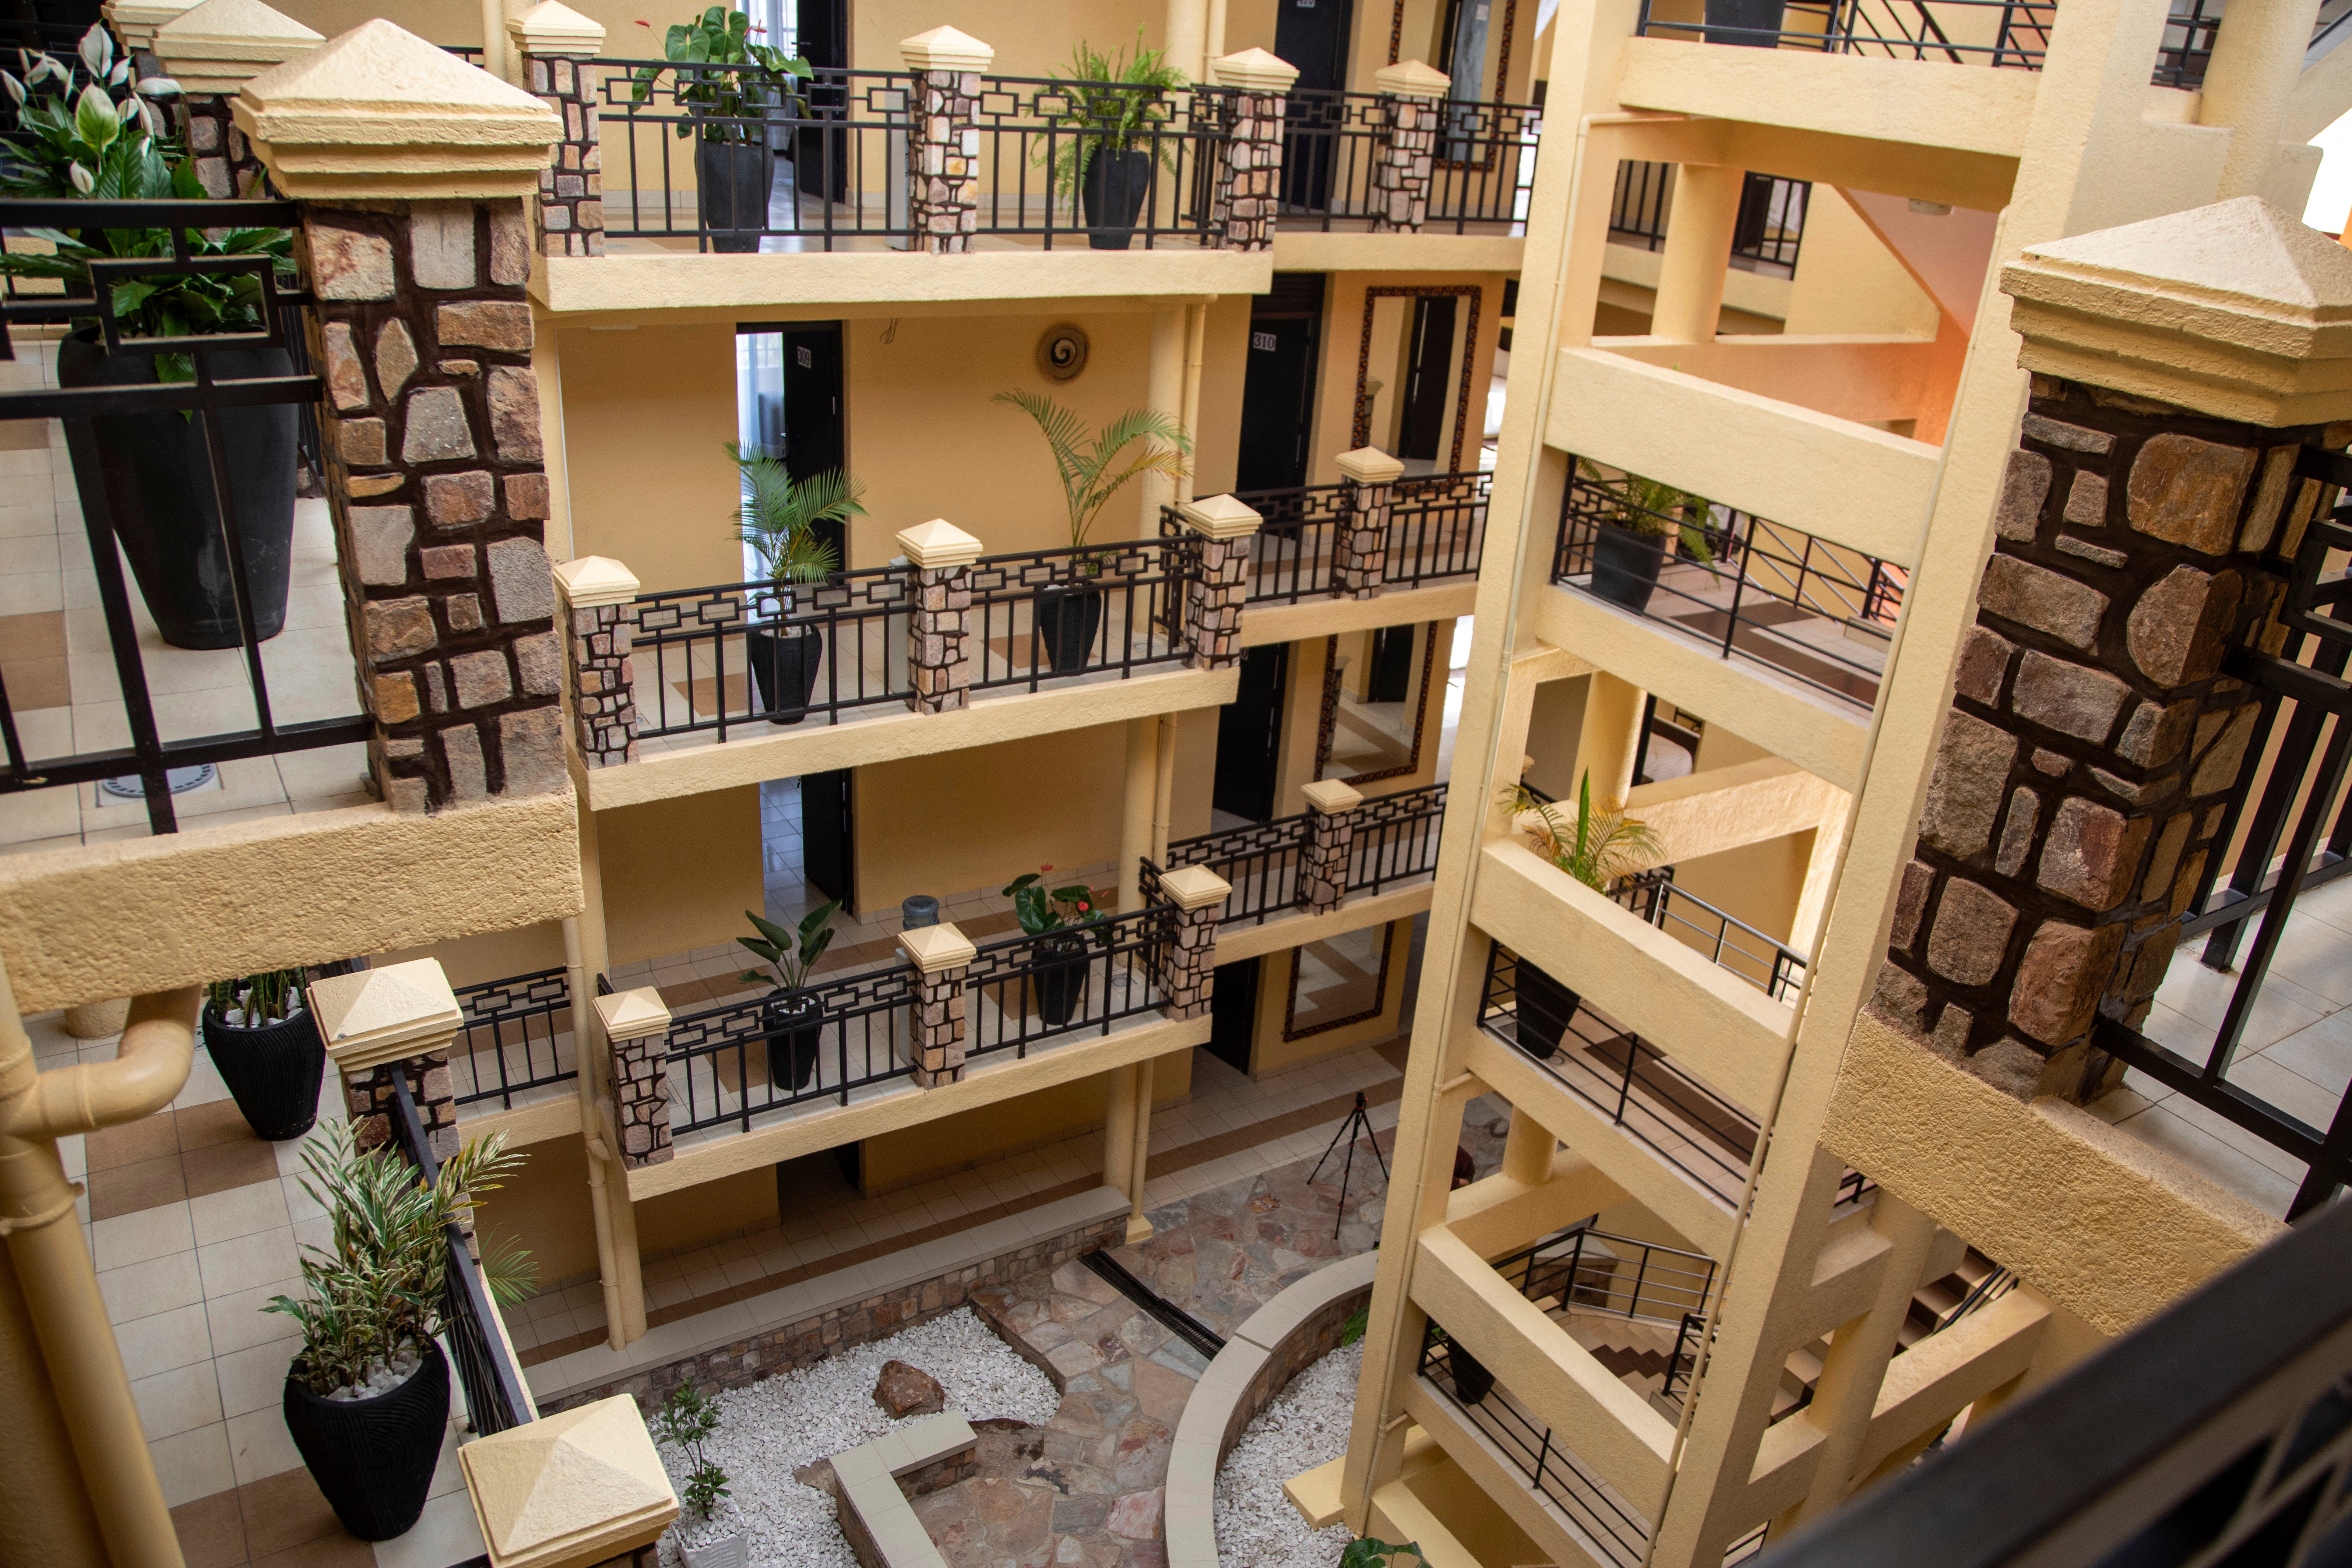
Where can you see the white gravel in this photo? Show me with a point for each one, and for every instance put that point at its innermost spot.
(772, 1428)
(1305, 1426)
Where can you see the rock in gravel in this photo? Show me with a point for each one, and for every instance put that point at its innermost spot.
(903, 1391)
(819, 1474)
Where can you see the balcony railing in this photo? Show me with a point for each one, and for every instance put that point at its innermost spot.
(1437, 527)
(1025, 990)
(1766, 238)
(1998, 32)
(1728, 942)
(1040, 614)
(511, 1037)
(1818, 613)
(1480, 179)
(1582, 1270)
(1395, 840)
(1437, 530)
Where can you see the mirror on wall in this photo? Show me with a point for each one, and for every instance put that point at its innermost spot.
(1339, 981)
(1377, 687)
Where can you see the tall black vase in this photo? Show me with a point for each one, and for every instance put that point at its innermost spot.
(272, 1070)
(1626, 565)
(1471, 1380)
(1112, 190)
(157, 485)
(373, 1459)
(1753, 23)
(1068, 622)
(735, 179)
(1545, 1008)
(795, 1026)
(784, 671)
(1061, 984)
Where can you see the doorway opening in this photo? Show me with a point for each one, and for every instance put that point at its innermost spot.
(788, 403)
(1249, 740)
(1278, 383)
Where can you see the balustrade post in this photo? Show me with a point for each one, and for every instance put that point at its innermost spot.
(1248, 192)
(434, 452)
(596, 592)
(1214, 594)
(637, 1023)
(943, 139)
(1330, 836)
(212, 50)
(134, 23)
(1410, 98)
(556, 44)
(939, 641)
(942, 955)
(400, 1018)
(1360, 548)
(1189, 972)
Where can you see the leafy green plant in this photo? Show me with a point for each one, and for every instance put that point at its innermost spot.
(728, 105)
(790, 956)
(380, 1283)
(1656, 510)
(1090, 469)
(688, 1420)
(1369, 1552)
(1104, 103)
(1353, 1328)
(1040, 910)
(1602, 846)
(257, 999)
(779, 516)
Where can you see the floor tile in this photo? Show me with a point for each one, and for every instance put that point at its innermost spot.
(194, 1465)
(232, 1212)
(163, 1342)
(286, 1511)
(116, 1191)
(159, 1285)
(177, 1400)
(260, 1445)
(264, 1254)
(210, 1531)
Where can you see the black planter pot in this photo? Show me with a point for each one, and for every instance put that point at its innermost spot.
(1061, 986)
(1626, 565)
(1471, 1380)
(158, 486)
(1545, 1008)
(795, 1026)
(1068, 621)
(1112, 191)
(1753, 23)
(735, 179)
(373, 1459)
(784, 670)
(272, 1071)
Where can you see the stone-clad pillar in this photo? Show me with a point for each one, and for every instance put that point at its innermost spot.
(942, 955)
(943, 142)
(1248, 190)
(1411, 94)
(556, 44)
(595, 594)
(400, 1018)
(2094, 740)
(212, 50)
(1188, 972)
(637, 1023)
(1359, 552)
(938, 649)
(424, 334)
(1330, 836)
(1213, 596)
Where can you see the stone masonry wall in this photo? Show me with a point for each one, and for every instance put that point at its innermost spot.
(226, 164)
(1249, 174)
(1406, 162)
(370, 1101)
(1212, 604)
(571, 187)
(603, 686)
(1309, 1342)
(943, 161)
(2093, 742)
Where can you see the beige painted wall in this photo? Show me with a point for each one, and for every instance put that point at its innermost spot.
(678, 873)
(970, 1138)
(1555, 726)
(1756, 883)
(1271, 1054)
(646, 413)
(493, 955)
(1031, 39)
(1343, 328)
(711, 1212)
(1224, 351)
(545, 1208)
(460, 21)
(1847, 279)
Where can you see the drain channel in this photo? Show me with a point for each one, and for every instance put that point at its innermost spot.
(1169, 1315)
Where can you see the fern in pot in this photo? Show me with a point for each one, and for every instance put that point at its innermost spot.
(264, 1042)
(1107, 121)
(367, 1399)
(1600, 848)
(792, 1020)
(791, 527)
(709, 1527)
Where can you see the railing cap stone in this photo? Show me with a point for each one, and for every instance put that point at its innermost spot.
(546, 1492)
(594, 580)
(217, 46)
(937, 949)
(1194, 887)
(1411, 78)
(386, 1013)
(946, 48)
(135, 21)
(1371, 466)
(1254, 70)
(1330, 797)
(552, 27)
(632, 1015)
(1219, 517)
(938, 545)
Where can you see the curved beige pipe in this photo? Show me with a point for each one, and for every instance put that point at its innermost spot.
(52, 1262)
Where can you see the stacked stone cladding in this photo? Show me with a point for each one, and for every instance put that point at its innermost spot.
(938, 1027)
(1189, 977)
(641, 1100)
(372, 1102)
(1330, 836)
(603, 686)
(943, 159)
(571, 187)
(226, 164)
(938, 651)
(1404, 166)
(1213, 603)
(1360, 554)
(1248, 190)
(2094, 740)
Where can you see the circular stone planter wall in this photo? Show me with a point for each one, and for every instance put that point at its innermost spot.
(1280, 1340)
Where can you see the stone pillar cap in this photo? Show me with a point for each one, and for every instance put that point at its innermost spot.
(380, 114)
(1254, 70)
(1219, 517)
(1371, 466)
(938, 544)
(594, 580)
(552, 27)
(135, 21)
(937, 949)
(1331, 797)
(386, 1015)
(632, 1015)
(220, 45)
(2234, 310)
(1194, 887)
(1411, 78)
(581, 1485)
(945, 49)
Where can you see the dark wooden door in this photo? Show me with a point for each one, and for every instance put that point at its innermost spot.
(1390, 679)
(1312, 35)
(821, 158)
(1233, 1013)
(1424, 385)
(1277, 403)
(814, 439)
(1249, 735)
(829, 842)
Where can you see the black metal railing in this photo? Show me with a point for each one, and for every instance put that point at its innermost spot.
(1023, 991)
(158, 742)
(1395, 838)
(1771, 226)
(1297, 536)
(1437, 527)
(742, 1059)
(1698, 1131)
(2013, 34)
(492, 1383)
(821, 164)
(1728, 942)
(1818, 613)
(511, 1036)
(1040, 614)
(1581, 1269)
(2292, 824)
(1481, 177)
(1638, 207)
(1260, 861)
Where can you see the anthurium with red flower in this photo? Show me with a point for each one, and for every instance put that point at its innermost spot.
(1041, 910)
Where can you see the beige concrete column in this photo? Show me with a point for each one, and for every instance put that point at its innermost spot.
(1529, 1149)
(1213, 41)
(1188, 37)
(1137, 803)
(1820, 876)
(581, 986)
(1164, 391)
(1700, 226)
(1163, 790)
(494, 37)
(2256, 60)
(1610, 746)
(1118, 1128)
(1139, 1155)
(602, 1130)
(1196, 332)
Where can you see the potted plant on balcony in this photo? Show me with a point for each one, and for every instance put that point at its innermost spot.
(709, 1527)
(1638, 517)
(726, 105)
(1105, 119)
(1755, 23)
(1471, 1380)
(1599, 849)
(265, 1044)
(1060, 978)
(792, 1021)
(367, 1399)
(153, 469)
(1069, 619)
(778, 523)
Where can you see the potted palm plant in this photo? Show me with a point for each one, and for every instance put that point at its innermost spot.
(709, 1527)
(1629, 547)
(792, 1021)
(778, 522)
(1098, 114)
(265, 1044)
(1602, 847)
(727, 103)
(367, 1399)
(153, 469)
(1059, 979)
(1069, 619)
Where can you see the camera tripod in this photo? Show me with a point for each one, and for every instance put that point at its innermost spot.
(1357, 1125)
